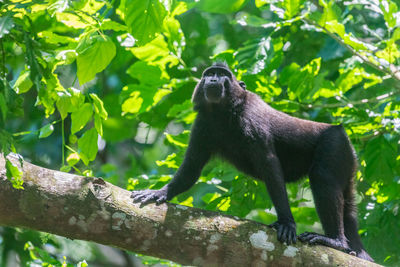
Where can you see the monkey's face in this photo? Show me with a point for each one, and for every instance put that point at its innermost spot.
(216, 83)
(219, 86)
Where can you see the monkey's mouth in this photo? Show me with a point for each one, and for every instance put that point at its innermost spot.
(214, 93)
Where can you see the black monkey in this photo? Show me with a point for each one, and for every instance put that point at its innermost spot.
(275, 148)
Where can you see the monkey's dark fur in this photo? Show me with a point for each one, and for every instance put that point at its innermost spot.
(275, 148)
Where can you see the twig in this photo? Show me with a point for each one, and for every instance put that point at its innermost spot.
(391, 70)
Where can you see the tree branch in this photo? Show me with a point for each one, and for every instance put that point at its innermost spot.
(91, 209)
(390, 70)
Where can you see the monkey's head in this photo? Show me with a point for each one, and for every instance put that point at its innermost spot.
(218, 85)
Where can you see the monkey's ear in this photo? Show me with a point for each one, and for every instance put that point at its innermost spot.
(242, 84)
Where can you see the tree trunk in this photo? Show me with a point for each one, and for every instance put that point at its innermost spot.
(91, 209)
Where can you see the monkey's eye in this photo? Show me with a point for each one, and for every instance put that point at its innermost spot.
(210, 74)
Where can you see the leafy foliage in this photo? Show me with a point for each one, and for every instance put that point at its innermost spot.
(103, 88)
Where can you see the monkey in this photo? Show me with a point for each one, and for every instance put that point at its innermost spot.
(237, 125)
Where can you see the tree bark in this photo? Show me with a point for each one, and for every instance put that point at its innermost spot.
(91, 209)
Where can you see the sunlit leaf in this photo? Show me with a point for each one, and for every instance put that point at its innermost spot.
(144, 18)
(98, 124)
(180, 140)
(92, 6)
(221, 6)
(292, 7)
(71, 20)
(259, 54)
(389, 9)
(80, 117)
(87, 146)
(14, 175)
(169, 162)
(108, 24)
(73, 158)
(146, 74)
(94, 55)
(301, 82)
(46, 130)
(53, 38)
(133, 103)
(99, 106)
(23, 83)
(156, 52)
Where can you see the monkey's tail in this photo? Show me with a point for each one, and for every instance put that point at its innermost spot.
(350, 223)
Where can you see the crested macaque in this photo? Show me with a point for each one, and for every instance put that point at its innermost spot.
(271, 146)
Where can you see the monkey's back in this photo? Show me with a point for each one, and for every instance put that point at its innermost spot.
(293, 139)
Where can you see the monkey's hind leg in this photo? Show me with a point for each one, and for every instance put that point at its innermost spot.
(329, 203)
(350, 224)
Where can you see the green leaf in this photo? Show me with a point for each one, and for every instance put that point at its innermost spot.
(58, 6)
(389, 13)
(46, 130)
(99, 106)
(94, 55)
(108, 24)
(92, 6)
(348, 79)
(6, 23)
(335, 27)
(53, 38)
(65, 168)
(156, 52)
(66, 56)
(221, 6)
(144, 19)
(395, 35)
(132, 104)
(302, 83)
(3, 107)
(98, 124)
(292, 7)
(87, 146)
(138, 98)
(69, 101)
(180, 140)
(73, 158)
(46, 98)
(169, 162)
(14, 175)
(63, 105)
(380, 159)
(72, 20)
(80, 117)
(23, 83)
(260, 3)
(6, 142)
(146, 74)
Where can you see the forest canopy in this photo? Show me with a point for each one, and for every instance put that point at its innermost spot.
(103, 88)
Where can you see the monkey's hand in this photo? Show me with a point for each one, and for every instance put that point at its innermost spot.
(149, 196)
(286, 231)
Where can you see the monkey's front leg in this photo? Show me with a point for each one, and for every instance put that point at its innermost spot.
(274, 180)
(186, 176)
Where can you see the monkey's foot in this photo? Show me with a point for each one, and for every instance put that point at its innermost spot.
(286, 231)
(318, 239)
(149, 196)
(364, 255)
